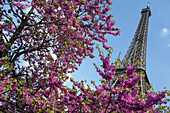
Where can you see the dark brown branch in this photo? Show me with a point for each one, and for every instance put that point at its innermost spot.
(21, 12)
(18, 75)
(40, 22)
(21, 26)
(18, 30)
(5, 37)
(78, 11)
(14, 11)
(29, 51)
(108, 104)
(13, 104)
(36, 91)
(18, 49)
(10, 19)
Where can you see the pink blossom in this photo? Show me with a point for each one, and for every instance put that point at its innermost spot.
(2, 48)
(86, 18)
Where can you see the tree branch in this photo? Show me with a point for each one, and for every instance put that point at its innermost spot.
(21, 26)
(13, 10)
(40, 22)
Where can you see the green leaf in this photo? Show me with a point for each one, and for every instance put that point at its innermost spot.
(83, 104)
(7, 45)
(6, 96)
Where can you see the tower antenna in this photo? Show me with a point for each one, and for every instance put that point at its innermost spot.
(147, 4)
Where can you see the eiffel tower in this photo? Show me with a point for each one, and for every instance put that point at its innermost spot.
(137, 49)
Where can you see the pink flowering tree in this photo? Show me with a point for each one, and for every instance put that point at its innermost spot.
(31, 80)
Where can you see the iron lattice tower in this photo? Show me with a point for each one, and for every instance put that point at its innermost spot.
(137, 49)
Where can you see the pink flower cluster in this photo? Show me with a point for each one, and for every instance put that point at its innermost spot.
(2, 48)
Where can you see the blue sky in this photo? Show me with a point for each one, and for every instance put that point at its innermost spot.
(127, 14)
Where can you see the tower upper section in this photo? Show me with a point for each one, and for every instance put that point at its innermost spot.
(137, 49)
(146, 10)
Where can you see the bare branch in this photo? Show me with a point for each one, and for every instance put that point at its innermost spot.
(21, 26)
(14, 11)
(40, 22)
(21, 12)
